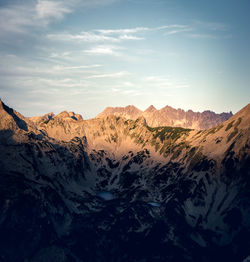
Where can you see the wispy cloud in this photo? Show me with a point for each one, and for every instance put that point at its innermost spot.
(128, 84)
(214, 26)
(61, 83)
(90, 37)
(112, 75)
(122, 31)
(209, 36)
(92, 3)
(76, 67)
(104, 50)
(131, 92)
(163, 82)
(41, 70)
(22, 18)
(177, 31)
(15, 19)
(114, 35)
(48, 10)
(209, 30)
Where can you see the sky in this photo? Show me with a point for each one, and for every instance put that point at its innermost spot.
(86, 55)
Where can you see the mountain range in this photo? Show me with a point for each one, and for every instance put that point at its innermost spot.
(168, 116)
(116, 188)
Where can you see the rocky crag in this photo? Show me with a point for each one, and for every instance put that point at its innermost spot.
(118, 189)
(168, 116)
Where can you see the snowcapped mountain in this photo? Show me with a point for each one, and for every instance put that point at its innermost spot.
(118, 189)
(169, 116)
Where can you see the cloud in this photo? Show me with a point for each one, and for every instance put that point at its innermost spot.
(170, 27)
(15, 19)
(39, 70)
(202, 36)
(112, 35)
(22, 18)
(132, 92)
(113, 75)
(164, 82)
(93, 37)
(103, 50)
(209, 30)
(128, 84)
(60, 55)
(49, 10)
(157, 79)
(138, 29)
(61, 83)
(130, 37)
(122, 31)
(76, 67)
(92, 3)
(177, 31)
(209, 36)
(90, 37)
(214, 26)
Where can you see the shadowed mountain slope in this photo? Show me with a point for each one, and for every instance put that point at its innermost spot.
(117, 189)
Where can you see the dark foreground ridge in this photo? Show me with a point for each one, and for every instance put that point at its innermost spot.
(113, 189)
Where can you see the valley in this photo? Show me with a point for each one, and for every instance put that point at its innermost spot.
(116, 188)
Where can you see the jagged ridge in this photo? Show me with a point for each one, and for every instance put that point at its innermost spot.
(169, 116)
(162, 181)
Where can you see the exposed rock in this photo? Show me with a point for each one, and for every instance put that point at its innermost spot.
(169, 116)
(116, 189)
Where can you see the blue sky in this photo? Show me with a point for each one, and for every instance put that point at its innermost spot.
(83, 56)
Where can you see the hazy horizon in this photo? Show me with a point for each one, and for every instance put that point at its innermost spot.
(84, 56)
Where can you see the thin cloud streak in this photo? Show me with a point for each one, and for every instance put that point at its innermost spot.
(112, 35)
(162, 82)
(104, 50)
(112, 75)
(90, 37)
(209, 36)
(76, 67)
(19, 18)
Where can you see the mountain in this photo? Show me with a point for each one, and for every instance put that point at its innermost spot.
(117, 189)
(129, 112)
(169, 116)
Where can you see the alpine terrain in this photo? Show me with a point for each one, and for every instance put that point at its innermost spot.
(127, 186)
(168, 116)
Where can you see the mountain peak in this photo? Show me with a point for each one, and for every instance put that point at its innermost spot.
(129, 112)
(10, 119)
(131, 108)
(69, 115)
(169, 116)
(150, 109)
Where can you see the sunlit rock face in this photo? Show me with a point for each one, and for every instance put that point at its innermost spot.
(116, 189)
(168, 116)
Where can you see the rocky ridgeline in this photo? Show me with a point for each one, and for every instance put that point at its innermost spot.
(117, 189)
(168, 116)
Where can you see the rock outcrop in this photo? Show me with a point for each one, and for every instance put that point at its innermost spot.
(117, 189)
(169, 116)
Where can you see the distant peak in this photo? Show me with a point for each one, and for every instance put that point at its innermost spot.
(131, 107)
(63, 114)
(72, 115)
(165, 108)
(150, 109)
